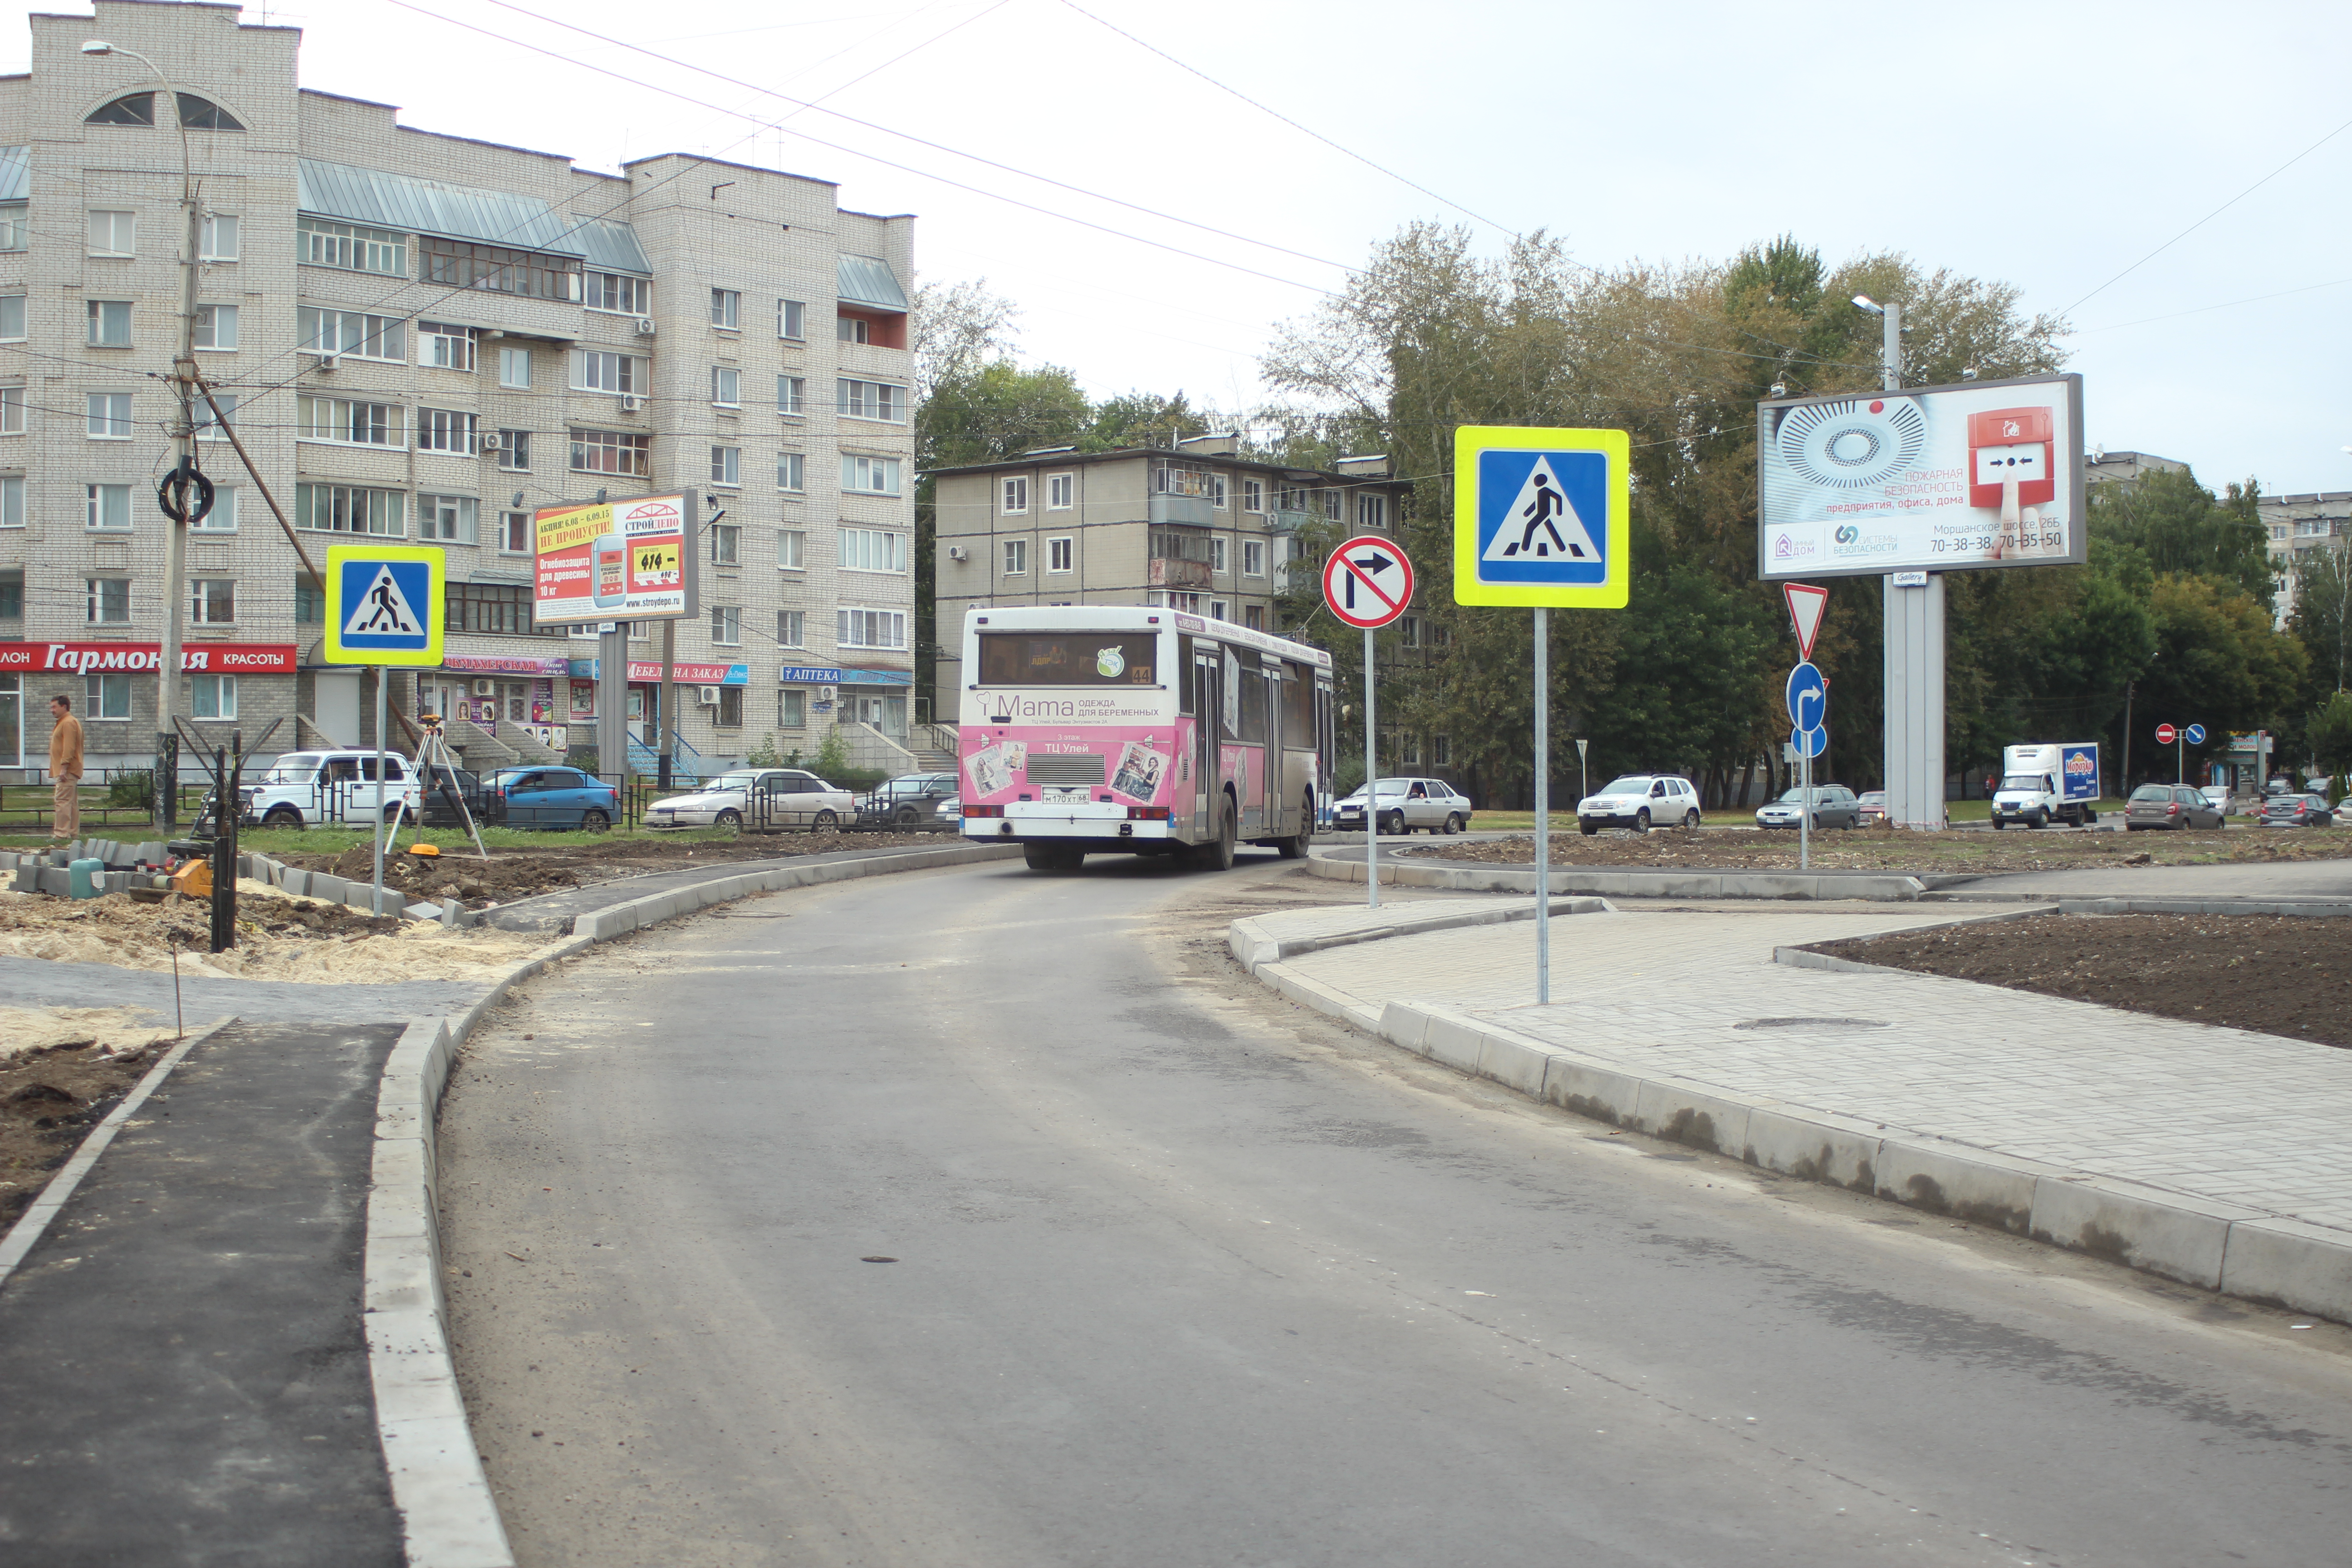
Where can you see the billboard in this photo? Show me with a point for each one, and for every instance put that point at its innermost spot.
(1938, 478)
(616, 560)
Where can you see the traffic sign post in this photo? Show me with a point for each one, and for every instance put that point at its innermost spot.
(2180, 740)
(1368, 582)
(1541, 519)
(1808, 710)
(384, 607)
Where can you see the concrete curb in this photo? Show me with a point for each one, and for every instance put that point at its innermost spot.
(448, 1515)
(1890, 889)
(2078, 904)
(2236, 1251)
(1253, 944)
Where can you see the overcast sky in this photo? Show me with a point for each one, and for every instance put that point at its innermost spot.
(2051, 148)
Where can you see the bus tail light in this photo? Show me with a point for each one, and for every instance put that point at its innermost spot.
(1147, 813)
(983, 811)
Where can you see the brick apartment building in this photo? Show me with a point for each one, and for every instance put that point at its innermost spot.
(425, 337)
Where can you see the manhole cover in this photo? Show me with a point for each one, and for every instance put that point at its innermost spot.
(1812, 1024)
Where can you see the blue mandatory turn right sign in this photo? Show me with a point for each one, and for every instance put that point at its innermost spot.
(1809, 697)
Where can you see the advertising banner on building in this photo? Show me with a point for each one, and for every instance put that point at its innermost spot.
(105, 657)
(1938, 478)
(629, 560)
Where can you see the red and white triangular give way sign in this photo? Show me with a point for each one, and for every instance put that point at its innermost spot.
(1806, 603)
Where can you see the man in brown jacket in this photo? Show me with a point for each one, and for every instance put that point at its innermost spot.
(65, 768)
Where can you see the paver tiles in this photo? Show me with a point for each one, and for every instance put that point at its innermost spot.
(2229, 1114)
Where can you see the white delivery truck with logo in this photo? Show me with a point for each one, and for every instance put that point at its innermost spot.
(2046, 784)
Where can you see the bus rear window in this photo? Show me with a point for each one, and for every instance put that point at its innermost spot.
(1067, 658)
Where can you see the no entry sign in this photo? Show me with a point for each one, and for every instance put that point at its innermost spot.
(1367, 582)
(2166, 735)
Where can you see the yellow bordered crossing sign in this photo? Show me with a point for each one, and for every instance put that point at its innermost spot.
(384, 604)
(1541, 517)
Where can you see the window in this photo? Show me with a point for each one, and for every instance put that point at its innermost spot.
(12, 594)
(1253, 495)
(135, 109)
(611, 452)
(1253, 617)
(1016, 495)
(727, 464)
(350, 508)
(493, 607)
(113, 234)
(726, 544)
(110, 323)
(110, 415)
(1058, 491)
(873, 550)
(16, 226)
(1440, 752)
(792, 710)
(215, 326)
(853, 329)
(1176, 477)
(791, 395)
(222, 518)
(726, 308)
(871, 400)
(1331, 505)
(206, 423)
(1220, 561)
(444, 430)
(514, 534)
(215, 696)
(790, 316)
(309, 603)
(109, 507)
(499, 270)
(870, 628)
(514, 369)
(1060, 554)
(514, 451)
(212, 601)
(1217, 491)
(348, 420)
(726, 624)
(218, 239)
(450, 348)
(12, 513)
(1411, 626)
(726, 386)
(791, 549)
(730, 707)
(1219, 610)
(106, 696)
(1016, 558)
(1252, 557)
(12, 318)
(109, 600)
(595, 370)
(620, 293)
(12, 411)
(321, 242)
(324, 331)
(792, 629)
(453, 519)
(1371, 510)
(204, 114)
(792, 472)
(869, 476)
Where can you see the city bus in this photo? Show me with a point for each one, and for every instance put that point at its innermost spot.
(1102, 728)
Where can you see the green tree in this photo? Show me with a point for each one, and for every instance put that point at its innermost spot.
(2182, 527)
(2328, 738)
(2217, 662)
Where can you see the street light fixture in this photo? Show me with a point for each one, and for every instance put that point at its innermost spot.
(1890, 353)
(175, 550)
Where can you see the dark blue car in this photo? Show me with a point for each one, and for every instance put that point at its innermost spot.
(552, 797)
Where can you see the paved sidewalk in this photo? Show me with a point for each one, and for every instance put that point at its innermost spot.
(2231, 1122)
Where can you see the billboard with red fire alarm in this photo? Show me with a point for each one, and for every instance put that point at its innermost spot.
(1940, 478)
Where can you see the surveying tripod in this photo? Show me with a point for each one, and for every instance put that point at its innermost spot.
(436, 764)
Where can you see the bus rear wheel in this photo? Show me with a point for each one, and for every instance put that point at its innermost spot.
(1295, 848)
(1217, 855)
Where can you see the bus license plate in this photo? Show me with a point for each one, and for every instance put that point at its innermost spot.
(1066, 796)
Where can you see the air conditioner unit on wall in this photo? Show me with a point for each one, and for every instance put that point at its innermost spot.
(956, 552)
(630, 403)
(490, 445)
(707, 695)
(327, 364)
(486, 689)
(646, 328)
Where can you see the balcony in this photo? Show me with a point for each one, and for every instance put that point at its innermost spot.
(1191, 511)
(1171, 573)
(1287, 522)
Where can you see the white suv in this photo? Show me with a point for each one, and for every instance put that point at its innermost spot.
(1641, 801)
(304, 788)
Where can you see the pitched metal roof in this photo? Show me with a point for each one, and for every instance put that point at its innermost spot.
(868, 281)
(432, 206)
(611, 247)
(15, 173)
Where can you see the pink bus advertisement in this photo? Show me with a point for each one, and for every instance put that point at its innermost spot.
(1101, 729)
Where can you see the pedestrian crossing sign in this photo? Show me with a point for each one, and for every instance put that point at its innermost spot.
(1539, 516)
(384, 604)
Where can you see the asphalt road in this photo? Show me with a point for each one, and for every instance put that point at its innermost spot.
(1183, 1275)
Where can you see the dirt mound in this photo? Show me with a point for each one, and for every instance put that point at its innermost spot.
(52, 1094)
(1955, 851)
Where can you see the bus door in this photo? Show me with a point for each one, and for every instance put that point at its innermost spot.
(1276, 771)
(1208, 705)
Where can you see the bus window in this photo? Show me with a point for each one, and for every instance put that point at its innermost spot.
(1252, 704)
(1298, 707)
(1183, 674)
(1068, 658)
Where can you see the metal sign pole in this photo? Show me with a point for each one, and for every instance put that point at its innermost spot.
(1805, 795)
(1371, 776)
(383, 680)
(1543, 805)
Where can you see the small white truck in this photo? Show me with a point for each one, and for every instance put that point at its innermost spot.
(303, 789)
(2041, 785)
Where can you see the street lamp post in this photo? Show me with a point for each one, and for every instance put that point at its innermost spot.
(175, 549)
(1913, 667)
